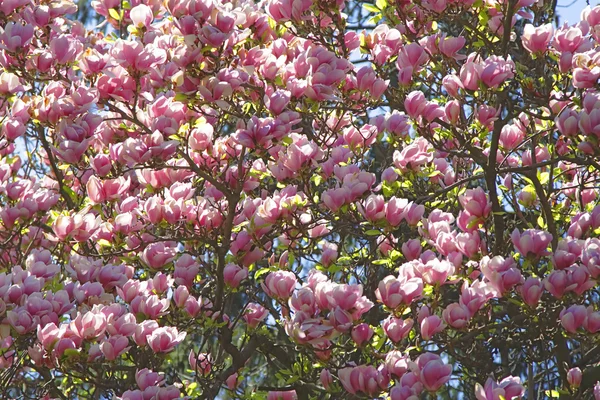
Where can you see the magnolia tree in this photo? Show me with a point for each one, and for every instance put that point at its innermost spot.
(297, 199)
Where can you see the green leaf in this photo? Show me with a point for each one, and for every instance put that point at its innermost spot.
(381, 4)
(541, 222)
(428, 290)
(473, 223)
(182, 97)
(371, 8)
(394, 254)
(261, 272)
(114, 14)
(103, 243)
(71, 193)
(317, 179)
(375, 19)
(372, 232)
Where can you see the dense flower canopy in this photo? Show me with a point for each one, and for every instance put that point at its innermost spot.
(299, 199)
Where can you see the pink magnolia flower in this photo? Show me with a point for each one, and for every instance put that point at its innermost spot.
(589, 121)
(397, 329)
(475, 296)
(303, 300)
(450, 46)
(487, 115)
(414, 156)
(433, 373)
(568, 39)
(141, 15)
(414, 213)
(114, 346)
(233, 274)
(397, 123)
(456, 315)
(110, 189)
(557, 283)
(232, 381)
(201, 363)
(341, 319)
(364, 379)
(90, 325)
(79, 227)
(573, 318)
(329, 254)
(502, 273)
(511, 136)
(157, 255)
(531, 291)
(334, 199)
(255, 314)
(592, 322)
(412, 56)
(574, 377)
(367, 81)
(361, 334)
(374, 208)
(452, 84)
(146, 378)
(436, 272)
(326, 378)
(469, 244)
(567, 122)
(64, 49)
(415, 104)
(496, 70)
(397, 363)
(394, 291)
(329, 295)
(13, 128)
(411, 249)
(151, 306)
(16, 36)
(396, 210)
(201, 137)
(124, 325)
(453, 111)
(536, 39)
(286, 10)
(429, 324)
(470, 72)
(509, 388)
(531, 242)
(566, 254)
(49, 334)
(280, 284)
(164, 339)
(578, 279)
(282, 395)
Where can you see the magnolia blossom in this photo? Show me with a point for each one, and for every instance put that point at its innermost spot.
(536, 39)
(509, 388)
(265, 184)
